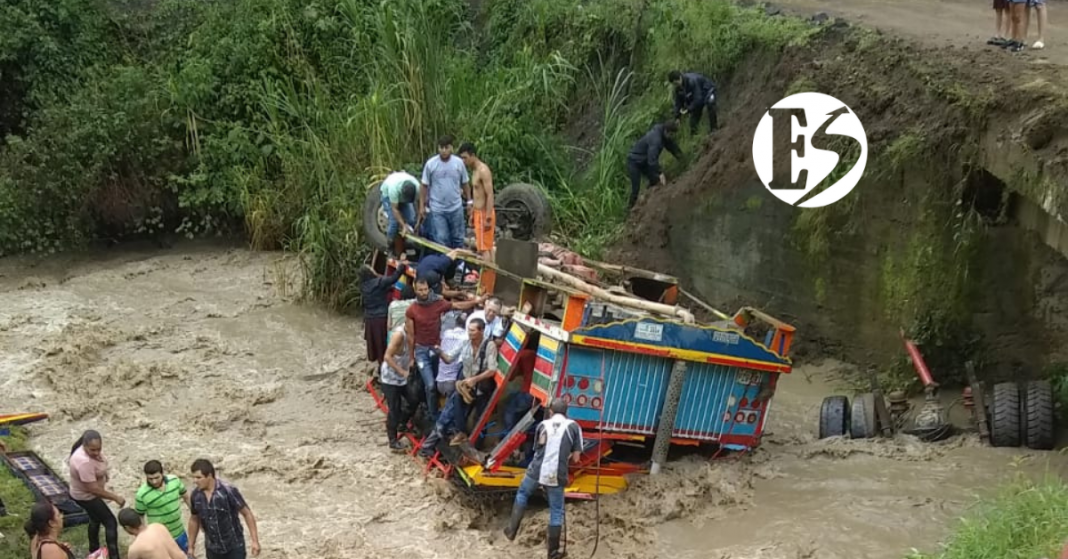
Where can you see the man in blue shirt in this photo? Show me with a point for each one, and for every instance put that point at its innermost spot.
(446, 186)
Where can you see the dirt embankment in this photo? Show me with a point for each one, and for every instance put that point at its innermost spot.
(931, 114)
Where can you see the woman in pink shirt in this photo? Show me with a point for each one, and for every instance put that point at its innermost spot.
(88, 479)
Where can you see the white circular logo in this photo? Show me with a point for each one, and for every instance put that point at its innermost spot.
(810, 121)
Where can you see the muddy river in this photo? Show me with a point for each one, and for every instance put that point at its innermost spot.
(202, 351)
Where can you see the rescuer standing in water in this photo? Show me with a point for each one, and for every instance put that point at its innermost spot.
(558, 440)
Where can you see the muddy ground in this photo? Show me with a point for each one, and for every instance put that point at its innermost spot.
(201, 351)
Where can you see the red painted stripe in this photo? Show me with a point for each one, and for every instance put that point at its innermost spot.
(544, 367)
(508, 353)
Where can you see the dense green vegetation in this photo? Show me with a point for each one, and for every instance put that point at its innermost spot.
(1026, 519)
(271, 117)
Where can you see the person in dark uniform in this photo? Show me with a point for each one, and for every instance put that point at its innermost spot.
(693, 93)
(644, 157)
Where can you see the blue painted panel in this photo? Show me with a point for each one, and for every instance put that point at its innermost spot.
(710, 401)
(633, 391)
(663, 333)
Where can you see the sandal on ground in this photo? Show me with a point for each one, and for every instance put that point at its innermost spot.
(1039, 45)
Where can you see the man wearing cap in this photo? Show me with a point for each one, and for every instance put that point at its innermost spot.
(398, 201)
(558, 441)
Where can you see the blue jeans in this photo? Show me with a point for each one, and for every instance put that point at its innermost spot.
(517, 407)
(448, 228)
(454, 416)
(427, 363)
(407, 211)
(183, 542)
(555, 494)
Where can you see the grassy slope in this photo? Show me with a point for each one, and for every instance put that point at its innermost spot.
(1025, 519)
(18, 500)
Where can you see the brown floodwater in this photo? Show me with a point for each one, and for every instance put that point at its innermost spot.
(203, 351)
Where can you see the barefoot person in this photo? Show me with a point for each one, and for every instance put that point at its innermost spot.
(483, 216)
(160, 499)
(151, 541)
(44, 527)
(88, 487)
(217, 507)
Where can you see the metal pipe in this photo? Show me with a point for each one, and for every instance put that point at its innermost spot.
(917, 361)
(667, 416)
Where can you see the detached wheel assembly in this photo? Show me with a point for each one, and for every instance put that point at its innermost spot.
(863, 424)
(1038, 414)
(523, 212)
(1005, 415)
(834, 417)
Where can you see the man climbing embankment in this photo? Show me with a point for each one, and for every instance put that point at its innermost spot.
(644, 157)
(694, 93)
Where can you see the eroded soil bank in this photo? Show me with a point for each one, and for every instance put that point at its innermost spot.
(939, 238)
(199, 351)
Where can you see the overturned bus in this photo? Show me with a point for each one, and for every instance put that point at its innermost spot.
(640, 373)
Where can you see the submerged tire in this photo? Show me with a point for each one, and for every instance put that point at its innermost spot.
(834, 417)
(1005, 415)
(863, 424)
(375, 220)
(1038, 406)
(523, 212)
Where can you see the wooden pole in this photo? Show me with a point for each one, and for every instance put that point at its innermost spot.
(667, 416)
(639, 304)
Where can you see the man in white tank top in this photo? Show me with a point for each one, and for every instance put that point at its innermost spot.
(558, 441)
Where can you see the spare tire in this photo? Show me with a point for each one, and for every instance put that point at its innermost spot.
(834, 417)
(1005, 415)
(862, 423)
(375, 220)
(523, 212)
(1038, 406)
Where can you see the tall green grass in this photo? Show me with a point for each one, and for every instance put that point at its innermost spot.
(277, 115)
(1025, 519)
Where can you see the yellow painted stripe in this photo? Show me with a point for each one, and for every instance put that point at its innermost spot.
(676, 353)
(549, 344)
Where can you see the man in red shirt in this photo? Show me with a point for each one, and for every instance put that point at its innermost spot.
(423, 329)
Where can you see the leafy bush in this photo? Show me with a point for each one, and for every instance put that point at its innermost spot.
(190, 117)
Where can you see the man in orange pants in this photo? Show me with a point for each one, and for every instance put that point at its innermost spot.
(483, 216)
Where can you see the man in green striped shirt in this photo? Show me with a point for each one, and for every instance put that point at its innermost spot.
(160, 499)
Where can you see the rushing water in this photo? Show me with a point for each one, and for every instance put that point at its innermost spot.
(201, 351)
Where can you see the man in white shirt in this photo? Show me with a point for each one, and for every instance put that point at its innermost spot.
(558, 442)
(491, 315)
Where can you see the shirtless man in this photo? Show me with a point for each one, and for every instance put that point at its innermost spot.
(151, 541)
(483, 216)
